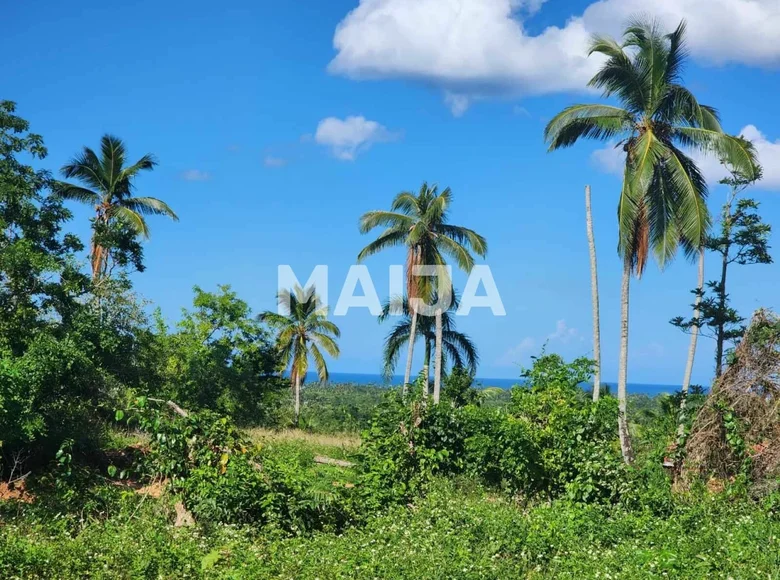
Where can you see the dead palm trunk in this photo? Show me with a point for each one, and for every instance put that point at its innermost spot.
(437, 359)
(410, 352)
(297, 398)
(625, 438)
(692, 348)
(594, 291)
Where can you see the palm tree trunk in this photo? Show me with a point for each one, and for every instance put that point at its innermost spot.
(437, 359)
(297, 398)
(426, 368)
(594, 292)
(692, 348)
(625, 439)
(410, 353)
(97, 260)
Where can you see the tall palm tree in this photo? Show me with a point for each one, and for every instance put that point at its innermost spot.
(419, 223)
(457, 347)
(662, 201)
(301, 333)
(109, 189)
(594, 294)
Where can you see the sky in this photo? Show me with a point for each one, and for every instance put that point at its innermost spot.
(277, 124)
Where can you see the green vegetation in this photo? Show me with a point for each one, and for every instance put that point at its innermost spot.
(662, 202)
(131, 449)
(419, 222)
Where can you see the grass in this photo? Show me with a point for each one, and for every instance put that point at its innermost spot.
(456, 531)
(335, 445)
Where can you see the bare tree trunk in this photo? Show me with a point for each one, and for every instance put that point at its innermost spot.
(437, 359)
(297, 398)
(410, 353)
(594, 293)
(625, 438)
(427, 368)
(694, 338)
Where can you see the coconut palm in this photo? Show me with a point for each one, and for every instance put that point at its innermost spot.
(301, 333)
(109, 189)
(419, 223)
(662, 201)
(457, 347)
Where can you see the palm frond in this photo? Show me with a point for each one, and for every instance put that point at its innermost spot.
(736, 151)
(327, 343)
(465, 236)
(390, 238)
(130, 218)
(618, 75)
(112, 157)
(690, 192)
(592, 121)
(149, 206)
(75, 193)
(407, 203)
(394, 220)
(319, 363)
(86, 167)
(457, 252)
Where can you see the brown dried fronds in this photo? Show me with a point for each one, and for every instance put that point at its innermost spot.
(738, 428)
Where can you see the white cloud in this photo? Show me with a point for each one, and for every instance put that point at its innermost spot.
(195, 175)
(564, 333)
(271, 161)
(458, 104)
(768, 155)
(349, 136)
(478, 48)
(610, 159)
(517, 353)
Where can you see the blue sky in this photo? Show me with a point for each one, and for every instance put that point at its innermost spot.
(229, 97)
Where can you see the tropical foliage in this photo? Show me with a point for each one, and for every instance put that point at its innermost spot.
(303, 332)
(662, 203)
(459, 350)
(109, 185)
(420, 223)
(135, 447)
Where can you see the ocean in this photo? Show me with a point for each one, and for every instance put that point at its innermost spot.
(376, 379)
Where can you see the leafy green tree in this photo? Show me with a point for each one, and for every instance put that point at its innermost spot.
(458, 389)
(457, 347)
(662, 201)
(301, 333)
(743, 239)
(419, 222)
(39, 278)
(49, 383)
(109, 188)
(219, 357)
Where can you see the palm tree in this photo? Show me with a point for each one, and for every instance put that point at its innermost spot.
(419, 222)
(109, 189)
(662, 201)
(457, 347)
(302, 332)
(594, 294)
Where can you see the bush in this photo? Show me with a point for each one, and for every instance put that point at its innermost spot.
(552, 440)
(224, 478)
